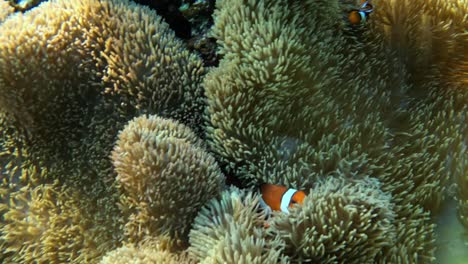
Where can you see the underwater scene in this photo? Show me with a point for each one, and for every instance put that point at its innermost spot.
(233, 131)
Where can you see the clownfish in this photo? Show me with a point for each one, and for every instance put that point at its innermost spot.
(359, 16)
(279, 198)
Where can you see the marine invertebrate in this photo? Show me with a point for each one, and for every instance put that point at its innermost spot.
(244, 90)
(430, 38)
(230, 229)
(5, 10)
(414, 240)
(149, 252)
(288, 105)
(72, 73)
(72, 85)
(462, 189)
(24, 5)
(52, 224)
(340, 221)
(427, 36)
(292, 102)
(165, 176)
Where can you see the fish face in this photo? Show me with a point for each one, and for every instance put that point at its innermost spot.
(297, 198)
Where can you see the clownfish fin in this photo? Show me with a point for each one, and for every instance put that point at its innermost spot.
(266, 208)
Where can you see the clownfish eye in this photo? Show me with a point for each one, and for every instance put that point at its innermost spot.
(293, 202)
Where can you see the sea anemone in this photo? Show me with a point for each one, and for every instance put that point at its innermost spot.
(298, 96)
(149, 252)
(53, 223)
(340, 221)
(72, 73)
(231, 230)
(5, 10)
(165, 176)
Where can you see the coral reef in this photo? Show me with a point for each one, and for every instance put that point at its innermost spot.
(165, 177)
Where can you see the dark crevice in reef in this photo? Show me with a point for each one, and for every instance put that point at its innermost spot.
(191, 21)
(169, 10)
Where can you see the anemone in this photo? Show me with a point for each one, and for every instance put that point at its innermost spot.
(72, 73)
(339, 221)
(165, 176)
(53, 223)
(92, 65)
(300, 95)
(151, 251)
(231, 229)
(5, 10)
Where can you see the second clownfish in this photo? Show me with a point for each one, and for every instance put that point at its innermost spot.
(279, 198)
(359, 16)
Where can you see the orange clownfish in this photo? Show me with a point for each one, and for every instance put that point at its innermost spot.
(359, 16)
(279, 198)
